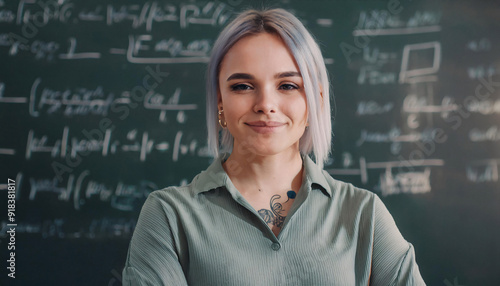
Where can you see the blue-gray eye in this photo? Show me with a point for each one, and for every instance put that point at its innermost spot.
(288, 86)
(238, 87)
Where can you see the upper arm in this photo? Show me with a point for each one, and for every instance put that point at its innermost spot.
(152, 256)
(393, 261)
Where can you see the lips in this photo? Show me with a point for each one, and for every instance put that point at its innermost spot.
(265, 127)
(265, 123)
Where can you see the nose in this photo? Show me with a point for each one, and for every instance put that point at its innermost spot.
(265, 101)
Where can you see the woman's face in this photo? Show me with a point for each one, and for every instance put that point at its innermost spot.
(262, 94)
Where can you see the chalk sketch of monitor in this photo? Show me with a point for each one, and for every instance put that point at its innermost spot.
(420, 74)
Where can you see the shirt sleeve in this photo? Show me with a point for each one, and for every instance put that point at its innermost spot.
(152, 256)
(393, 257)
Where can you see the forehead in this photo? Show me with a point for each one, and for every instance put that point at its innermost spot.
(262, 52)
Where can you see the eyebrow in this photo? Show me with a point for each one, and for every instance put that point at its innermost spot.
(276, 76)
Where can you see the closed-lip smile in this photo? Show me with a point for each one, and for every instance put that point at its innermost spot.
(265, 123)
(265, 127)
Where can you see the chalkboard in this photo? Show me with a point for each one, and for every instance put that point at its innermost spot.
(102, 102)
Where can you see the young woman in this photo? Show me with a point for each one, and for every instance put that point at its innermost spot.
(264, 213)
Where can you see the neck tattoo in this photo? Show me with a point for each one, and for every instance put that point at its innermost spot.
(275, 215)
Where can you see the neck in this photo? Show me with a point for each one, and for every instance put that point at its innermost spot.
(255, 174)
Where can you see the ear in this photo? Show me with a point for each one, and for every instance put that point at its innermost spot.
(219, 100)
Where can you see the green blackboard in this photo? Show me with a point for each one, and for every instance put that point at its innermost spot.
(103, 102)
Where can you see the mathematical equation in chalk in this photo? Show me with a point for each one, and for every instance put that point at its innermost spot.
(83, 101)
(97, 228)
(136, 16)
(138, 49)
(396, 138)
(384, 22)
(34, 16)
(404, 176)
(418, 103)
(144, 49)
(104, 143)
(81, 189)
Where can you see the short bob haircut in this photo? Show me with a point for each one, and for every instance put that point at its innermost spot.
(307, 54)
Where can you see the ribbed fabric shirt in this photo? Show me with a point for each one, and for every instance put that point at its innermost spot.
(206, 233)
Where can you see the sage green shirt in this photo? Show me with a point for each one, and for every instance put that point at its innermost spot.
(206, 233)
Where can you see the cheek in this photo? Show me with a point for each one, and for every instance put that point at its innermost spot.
(232, 111)
(236, 106)
(299, 110)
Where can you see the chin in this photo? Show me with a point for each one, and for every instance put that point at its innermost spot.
(267, 150)
(266, 146)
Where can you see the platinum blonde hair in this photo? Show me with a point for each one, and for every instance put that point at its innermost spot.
(307, 54)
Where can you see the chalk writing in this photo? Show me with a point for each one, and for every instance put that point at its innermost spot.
(483, 171)
(372, 108)
(81, 189)
(479, 45)
(406, 182)
(395, 135)
(383, 22)
(481, 71)
(71, 146)
(194, 52)
(481, 135)
(64, 228)
(96, 100)
(143, 15)
(485, 107)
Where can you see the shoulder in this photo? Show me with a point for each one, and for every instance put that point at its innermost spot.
(364, 203)
(341, 193)
(180, 200)
(171, 196)
(348, 193)
(171, 193)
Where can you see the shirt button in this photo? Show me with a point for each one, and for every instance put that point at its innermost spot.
(275, 246)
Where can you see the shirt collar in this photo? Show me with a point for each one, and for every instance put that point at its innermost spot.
(215, 177)
(315, 176)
